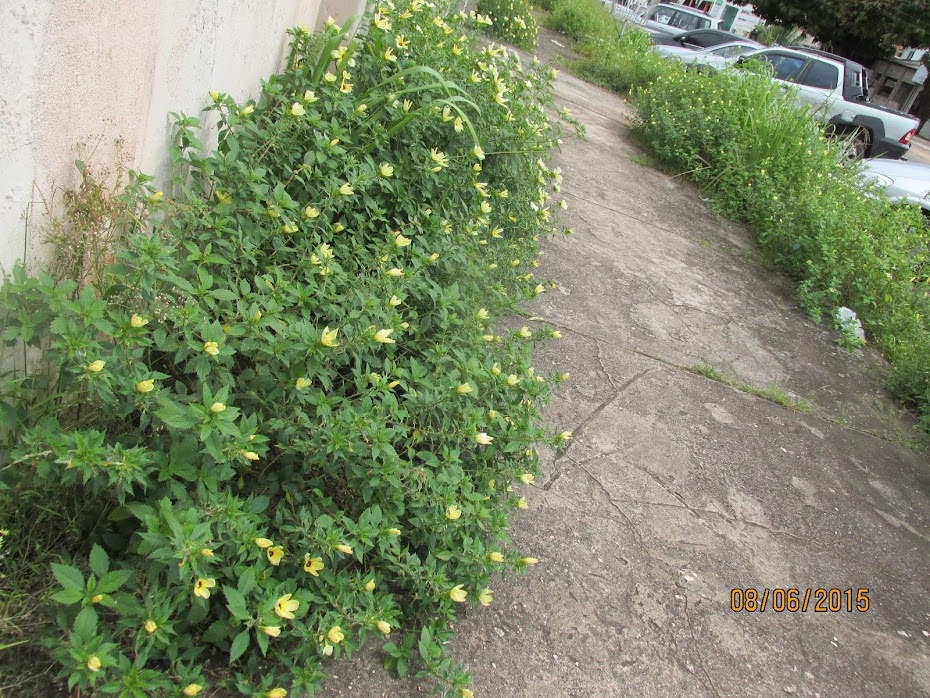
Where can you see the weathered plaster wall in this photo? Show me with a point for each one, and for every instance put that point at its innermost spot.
(95, 72)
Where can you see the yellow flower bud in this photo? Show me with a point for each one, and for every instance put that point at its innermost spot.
(93, 663)
(335, 635)
(145, 386)
(217, 407)
(96, 366)
(192, 689)
(496, 556)
(344, 549)
(262, 543)
(370, 586)
(453, 512)
(137, 321)
(150, 626)
(392, 531)
(384, 627)
(457, 594)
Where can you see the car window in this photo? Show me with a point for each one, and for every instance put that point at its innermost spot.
(663, 15)
(786, 66)
(682, 20)
(730, 51)
(821, 75)
(703, 38)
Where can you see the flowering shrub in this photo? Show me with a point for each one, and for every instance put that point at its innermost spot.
(281, 421)
(511, 21)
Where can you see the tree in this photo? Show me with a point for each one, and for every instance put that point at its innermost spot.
(864, 30)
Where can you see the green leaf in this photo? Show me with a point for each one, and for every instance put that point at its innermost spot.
(236, 604)
(112, 581)
(239, 645)
(247, 581)
(85, 624)
(69, 577)
(99, 560)
(68, 596)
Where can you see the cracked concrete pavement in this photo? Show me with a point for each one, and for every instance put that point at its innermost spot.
(677, 489)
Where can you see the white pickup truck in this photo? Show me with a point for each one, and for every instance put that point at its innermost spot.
(837, 90)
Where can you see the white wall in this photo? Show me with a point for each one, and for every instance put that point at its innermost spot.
(94, 71)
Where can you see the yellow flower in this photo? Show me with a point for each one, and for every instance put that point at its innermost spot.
(467, 693)
(370, 585)
(446, 114)
(527, 478)
(386, 169)
(539, 289)
(329, 77)
(496, 557)
(463, 388)
(453, 512)
(297, 109)
(384, 627)
(145, 386)
(407, 105)
(202, 587)
(401, 241)
(556, 334)
(394, 302)
(485, 597)
(493, 414)
(496, 369)
(311, 212)
(212, 348)
(302, 383)
(485, 207)
(335, 635)
(214, 95)
(522, 503)
(249, 455)
(384, 336)
(327, 649)
(270, 630)
(344, 549)
(289, 227)
(245, 111)
(276, 693)
(529, 561)
(346, 189)
(392, 531)
(262, 543)
(401, 42)
(457, 594)
(525, 332)
(96, 366)
(221, 197)
(433, 257)
(137, 321)
(285, 607)
(512, 379)
(156, 197)
(440, 158)
(389, 54)
(483, 438)
(382, 22)
(487, 337)
(150, 626)
(217, 407)
(394, 272)
(275, 554)
(328, 337)
(310, 97)
(313, 565)
(93, 663)
(206, 552)
(482, 314)
(565, 436)
(192, 689)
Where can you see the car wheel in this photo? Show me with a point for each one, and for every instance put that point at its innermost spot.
(855, 142)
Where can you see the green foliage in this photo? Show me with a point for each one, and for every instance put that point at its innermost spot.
(511, 21)
(582, 19)
(624, 65)
(281, 417)
(770, 166)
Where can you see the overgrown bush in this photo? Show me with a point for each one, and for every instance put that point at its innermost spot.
(582, 19)
(621, 65)
(281, 420)
(511, 21)
(769, 165)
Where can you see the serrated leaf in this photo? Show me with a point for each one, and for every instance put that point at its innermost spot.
(85, 624)
(112, 581)
(99, 560)
(246, 581)
(239, 645)
(236, 604)
(68, 596)
(69, 577)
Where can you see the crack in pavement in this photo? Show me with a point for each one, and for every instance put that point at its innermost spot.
(697, 645)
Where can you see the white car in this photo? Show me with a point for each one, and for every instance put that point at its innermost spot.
(709, 59)
(900, 181)
(663, 18)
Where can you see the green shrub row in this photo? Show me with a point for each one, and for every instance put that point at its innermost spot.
(768, 164)
(276, 418)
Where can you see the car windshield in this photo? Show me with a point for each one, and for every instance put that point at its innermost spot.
(731, 51)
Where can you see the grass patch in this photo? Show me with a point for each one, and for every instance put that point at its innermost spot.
(772, 393)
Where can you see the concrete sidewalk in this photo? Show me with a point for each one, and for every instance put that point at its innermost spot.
(677, 489)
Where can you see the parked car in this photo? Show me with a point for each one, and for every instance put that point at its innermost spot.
(663, 18)
(837, 91)
(698, 38)
(901, 182)
(709, 60)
